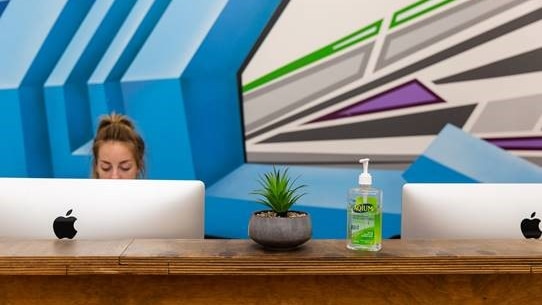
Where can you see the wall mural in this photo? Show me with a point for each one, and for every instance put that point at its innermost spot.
(322, 82)
(335, 80)
(153, 60)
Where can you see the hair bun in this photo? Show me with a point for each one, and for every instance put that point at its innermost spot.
(115, 119)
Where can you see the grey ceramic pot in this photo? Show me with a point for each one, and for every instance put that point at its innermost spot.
(280, 233)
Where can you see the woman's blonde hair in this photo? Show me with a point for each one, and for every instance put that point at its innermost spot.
(118, 128)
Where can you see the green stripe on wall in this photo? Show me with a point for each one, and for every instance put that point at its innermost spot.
(402, 15)
(345, 42)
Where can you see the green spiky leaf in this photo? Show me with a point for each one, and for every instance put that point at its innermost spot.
(278, 191)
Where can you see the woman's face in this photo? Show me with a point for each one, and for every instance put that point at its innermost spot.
(116, 161)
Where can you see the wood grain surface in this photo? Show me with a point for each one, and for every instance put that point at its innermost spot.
(279, 289)
(241, 272)
(37, 257)
(237, 257)
(332, 257)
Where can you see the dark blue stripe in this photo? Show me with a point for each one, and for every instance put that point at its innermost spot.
(3, 5)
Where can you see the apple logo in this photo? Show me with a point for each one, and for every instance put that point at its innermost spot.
(64, 226)
(530, 227)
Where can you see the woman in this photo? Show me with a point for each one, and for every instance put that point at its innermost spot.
(118, 150)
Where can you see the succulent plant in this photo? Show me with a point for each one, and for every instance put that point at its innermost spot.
(278, 191)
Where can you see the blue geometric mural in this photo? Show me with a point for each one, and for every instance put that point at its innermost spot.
(175, 67)
(155, 60)
(445, 160)
(25, 66)
(66, 94)
(3, 5)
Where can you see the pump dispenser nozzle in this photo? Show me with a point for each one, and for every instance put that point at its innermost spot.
(365, 178)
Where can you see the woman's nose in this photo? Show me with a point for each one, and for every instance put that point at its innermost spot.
(115, 174)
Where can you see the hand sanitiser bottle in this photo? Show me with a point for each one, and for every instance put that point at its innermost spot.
(364, 214)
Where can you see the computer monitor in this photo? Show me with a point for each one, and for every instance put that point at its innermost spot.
(471, 211)
(50, 208)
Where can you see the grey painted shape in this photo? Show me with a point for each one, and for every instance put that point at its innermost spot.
(436, 28)
(275, 100)
(534, 159)
(523, 63)
(518, 114)
(466, 45)
(425, 123)
(395, 161)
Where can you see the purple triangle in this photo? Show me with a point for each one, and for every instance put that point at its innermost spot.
(410, 94)
(529, 143)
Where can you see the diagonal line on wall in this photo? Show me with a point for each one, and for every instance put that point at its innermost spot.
(425, 123)
(286, 95)
(471, 43)
(423, 34)
(523, 63)
(525, 143)
(3, 5)
(416, 10)
(345, 42)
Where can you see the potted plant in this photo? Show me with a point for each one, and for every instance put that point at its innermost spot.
(278, 227)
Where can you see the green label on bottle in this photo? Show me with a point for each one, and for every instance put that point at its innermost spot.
(365, 221)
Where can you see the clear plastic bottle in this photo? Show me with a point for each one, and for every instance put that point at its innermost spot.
(364, 214)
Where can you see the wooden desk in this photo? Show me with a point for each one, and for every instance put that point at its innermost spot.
(240, 272)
